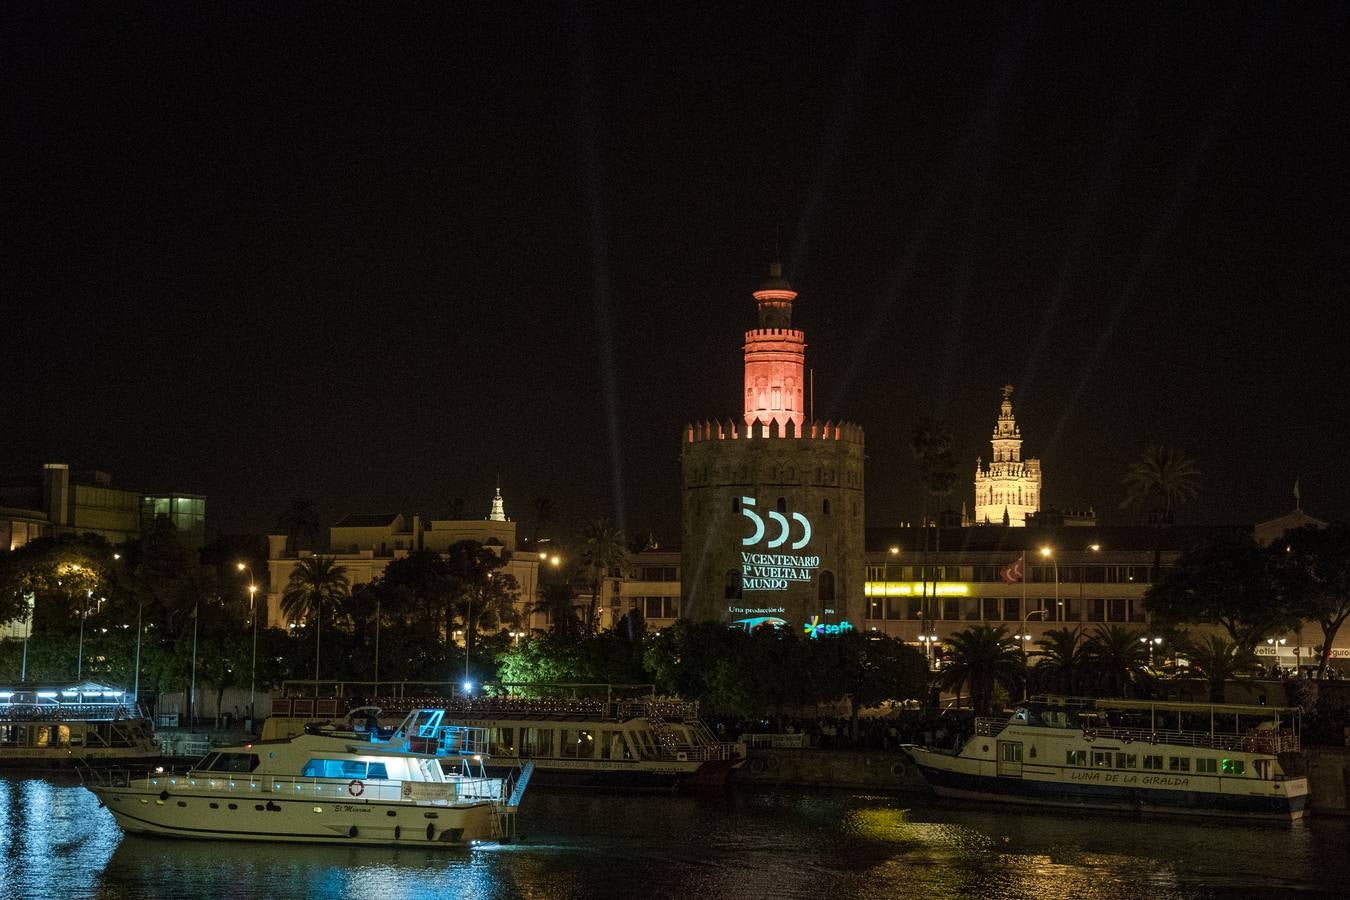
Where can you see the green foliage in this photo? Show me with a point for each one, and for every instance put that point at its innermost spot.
(1159, 480)
(300, 523)
(1314, 566)
(1060, 662)
(1229, 582)
(1116, 660)
(1219, 660)
(316, 581)
(983, 658)
(602, 549)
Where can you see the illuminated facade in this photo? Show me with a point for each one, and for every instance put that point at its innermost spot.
(773, 504)
(365, 545)
(1073, 577)
(89, 502)
(1008, 490)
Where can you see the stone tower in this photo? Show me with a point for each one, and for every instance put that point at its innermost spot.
(773, 503)
(1009, 489)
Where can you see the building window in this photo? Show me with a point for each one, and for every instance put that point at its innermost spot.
(735, 504)
(781, 504)
(733, 584)
(826, 587)
(825, 507)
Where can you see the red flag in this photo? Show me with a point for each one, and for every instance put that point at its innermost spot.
(1012, 573)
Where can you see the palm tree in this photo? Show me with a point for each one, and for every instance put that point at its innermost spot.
(543, 518)
(1160, 479)
(558, 602)
(1219, 659)
(602, 550)
(1116, 658)
(300, 523)
(314, 581)
(931, 446)
(1061, 658)
(982, 658)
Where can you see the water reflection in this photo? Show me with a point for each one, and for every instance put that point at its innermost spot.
(57, 842)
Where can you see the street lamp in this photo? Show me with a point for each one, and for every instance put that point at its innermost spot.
(1022, 638)
(1049, 554)
(1152, 642)
(253, 662)
(84, 614)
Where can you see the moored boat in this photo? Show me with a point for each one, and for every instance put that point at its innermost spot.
(52, 726)
(1129, 755)
(643, 742)
(424, 786)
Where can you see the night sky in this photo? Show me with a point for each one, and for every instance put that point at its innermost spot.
(375, 258)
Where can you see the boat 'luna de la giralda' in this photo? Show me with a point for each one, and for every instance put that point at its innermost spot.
(1136, 755)
(317, 788)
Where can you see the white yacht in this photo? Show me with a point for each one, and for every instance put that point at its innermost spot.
(1134, 755)
(52, 726)
(318, 788)
(642, 742)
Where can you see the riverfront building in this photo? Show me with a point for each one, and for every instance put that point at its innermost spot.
(773, 503)
(59, 501)
(366, 544)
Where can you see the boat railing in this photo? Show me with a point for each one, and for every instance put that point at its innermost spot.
(1256, 741)
(990, 727)
(495, 707)
(422, 793)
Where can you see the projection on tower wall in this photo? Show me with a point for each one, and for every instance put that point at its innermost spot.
(769, 557)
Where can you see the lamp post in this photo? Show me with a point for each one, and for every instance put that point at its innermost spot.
(886, 591)
(84, 614)
(1151, 642)
(1050, 555)
(1275, 644)
(253, 661)
(1022, 638)
(192, 692)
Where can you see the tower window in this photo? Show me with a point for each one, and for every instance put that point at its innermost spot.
(735, 504)
(825, 507)
(782, 504)
(826, 588)
(733, 585)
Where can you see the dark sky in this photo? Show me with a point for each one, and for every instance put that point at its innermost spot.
(376, 257)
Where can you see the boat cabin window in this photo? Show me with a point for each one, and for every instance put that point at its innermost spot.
(1234, 767)
(1126, 761)
(536, 742)
(1153, 762)
(1206, 766)
(1179, 763)
(338, 768)
(1101, 759)
(1076, 757)
(578, 744)
(228, 762)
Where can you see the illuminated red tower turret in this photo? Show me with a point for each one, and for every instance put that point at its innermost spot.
(775, 358)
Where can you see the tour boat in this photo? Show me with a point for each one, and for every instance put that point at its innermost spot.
(1135, 755)
(53, 726)
(316, 788)
(634, 743)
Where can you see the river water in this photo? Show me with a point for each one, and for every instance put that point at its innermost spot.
(56, 842)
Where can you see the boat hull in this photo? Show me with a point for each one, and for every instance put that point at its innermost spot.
(1051, 791)
(264, 817)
